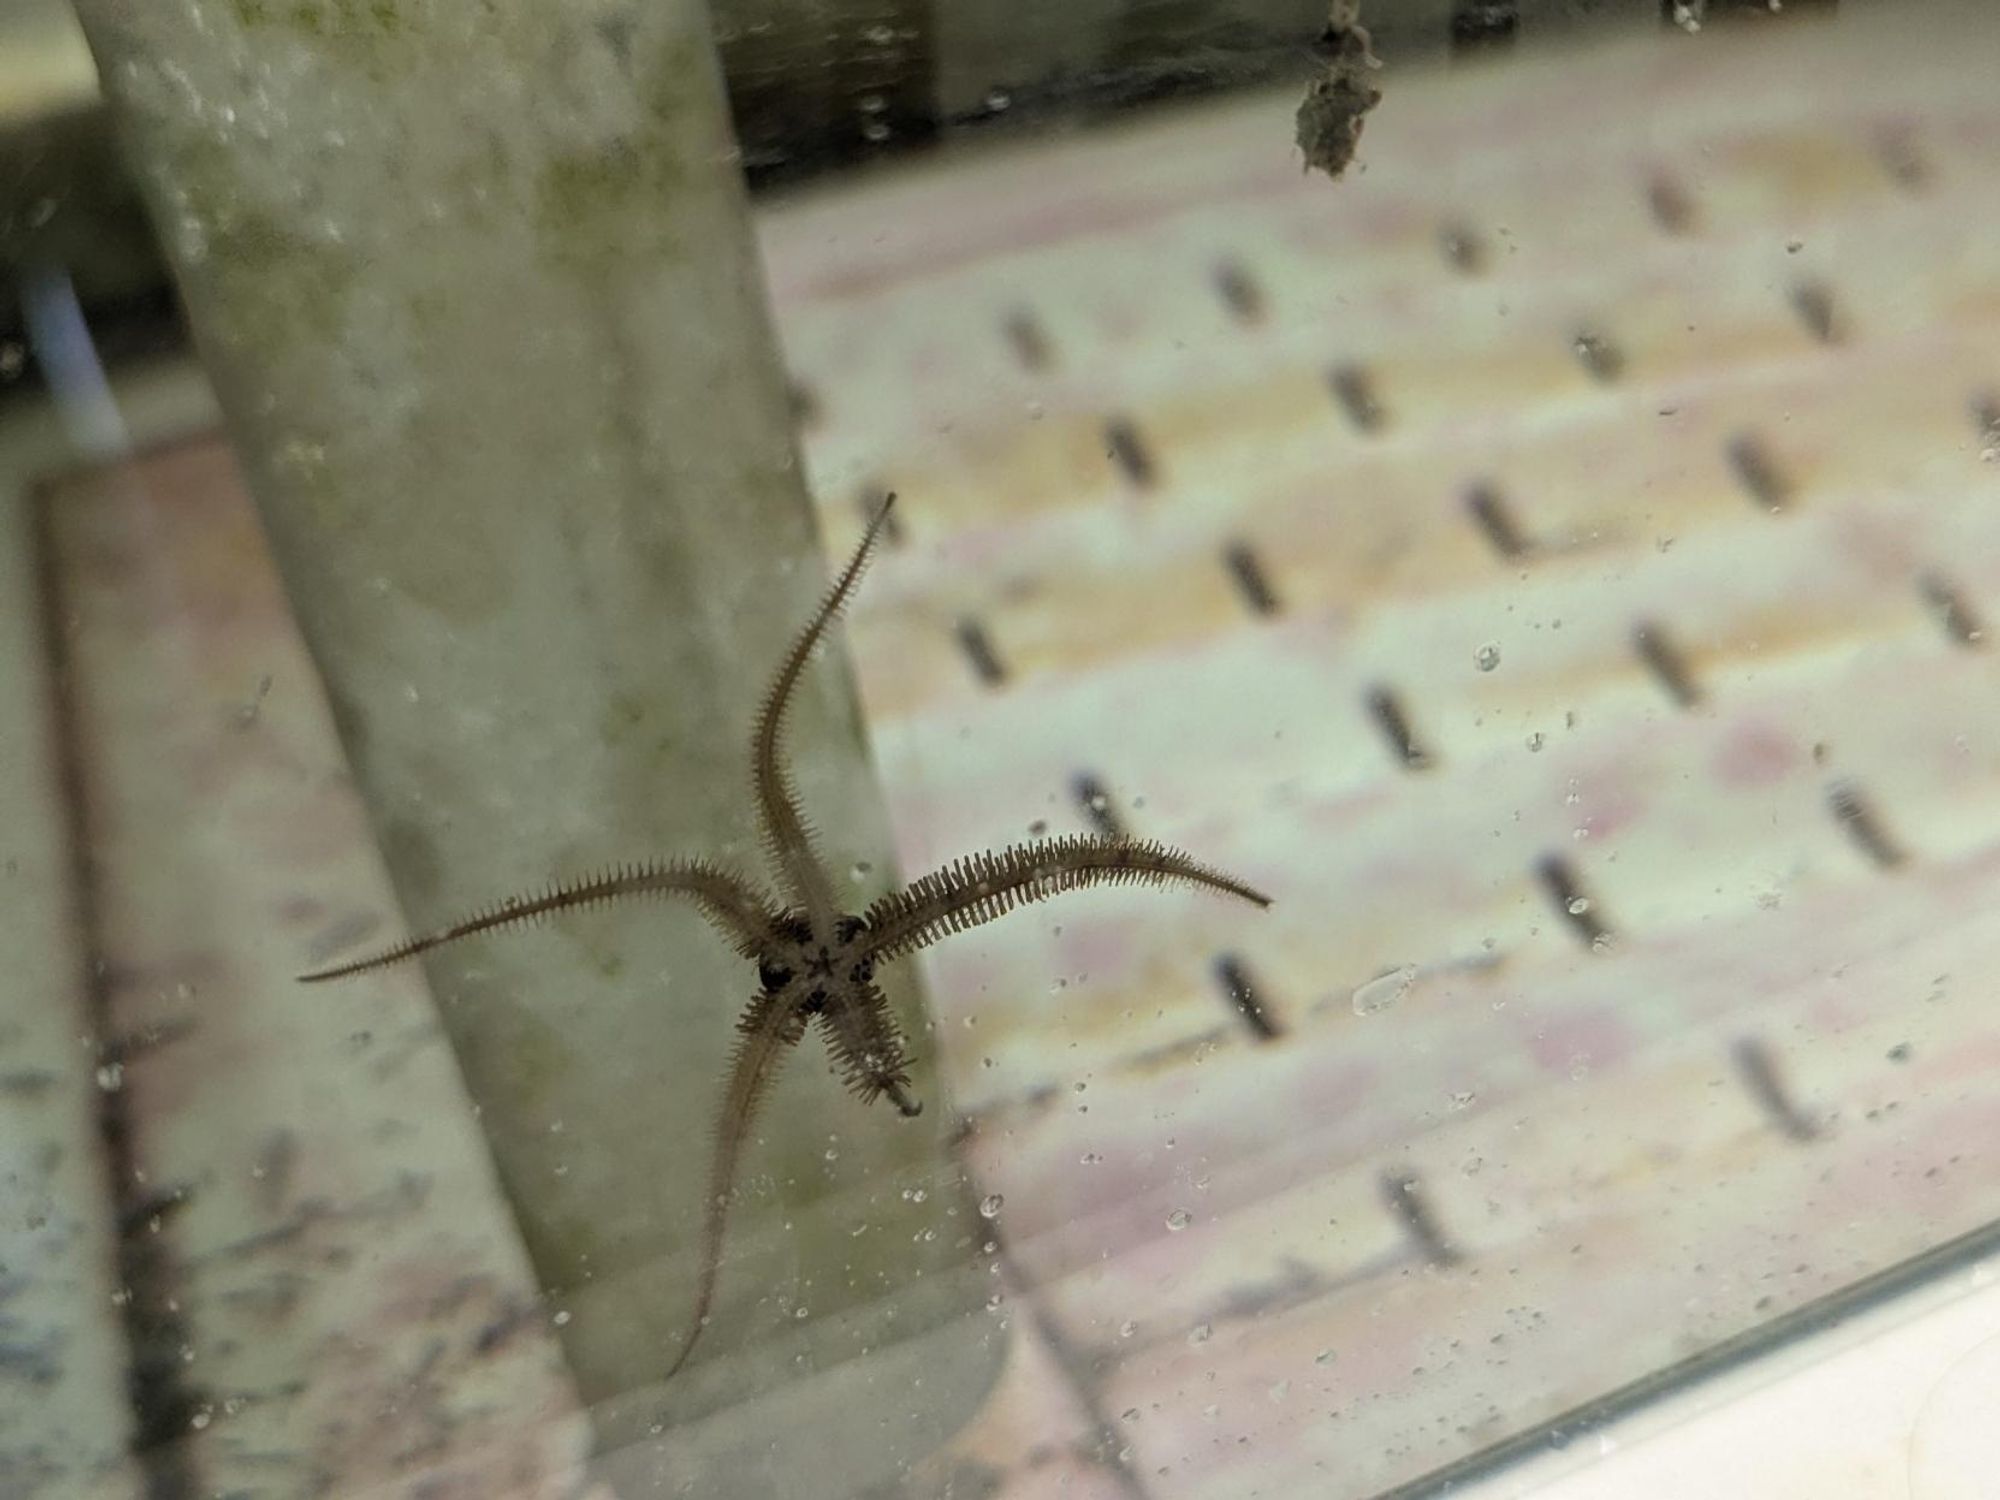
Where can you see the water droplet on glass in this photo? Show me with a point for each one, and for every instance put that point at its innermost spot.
(1179, 1219)
(1535, 740)
(1487, 657)
(111, 1077)
(1324, 1357)
(989, 1206)
(1090, 1159)
(1464, 1100)
(1384, 990)
(1200, 1333)
(561, 1319)
(1578, 905)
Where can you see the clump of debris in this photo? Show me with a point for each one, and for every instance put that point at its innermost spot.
(1336, 103)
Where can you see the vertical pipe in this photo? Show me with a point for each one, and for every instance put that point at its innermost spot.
(478, 291)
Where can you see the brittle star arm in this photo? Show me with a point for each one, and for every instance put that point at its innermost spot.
(729, 903)
(772, 1024)
(786, 832)
(972, 891)
(866, 1047)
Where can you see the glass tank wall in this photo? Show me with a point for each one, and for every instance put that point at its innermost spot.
(1156, 750)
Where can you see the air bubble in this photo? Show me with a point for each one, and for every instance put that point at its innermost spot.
(1487, 657)
(1179, 1219)
(1384, 990)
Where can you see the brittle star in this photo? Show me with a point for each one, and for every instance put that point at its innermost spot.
(816, 963)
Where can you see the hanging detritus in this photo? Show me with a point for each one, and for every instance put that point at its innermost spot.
(1338, 101)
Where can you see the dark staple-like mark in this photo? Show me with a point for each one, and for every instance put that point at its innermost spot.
(1387, 712)
(1903, 158)
(512, 1319)
(978, 649)
(28, 1083)
(1464, 248)
(1758, 472)
(1603, 360)
(149, 1214)
(1760, 1075)
(1852, 811)
(1951, 609)
(1095, 802)
(1813, 302)
(1239, 292)
(32, 1364)
(1029, 343)
(1128, 451)
(1477, 25)
(869, 500)
(1664, 660)
(1405, 1197)
(1491, 514)
(1986, 422)
(1242, 992)
(1354, 388)
(1251, 583)
(1668, 201)
(1567, 895)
